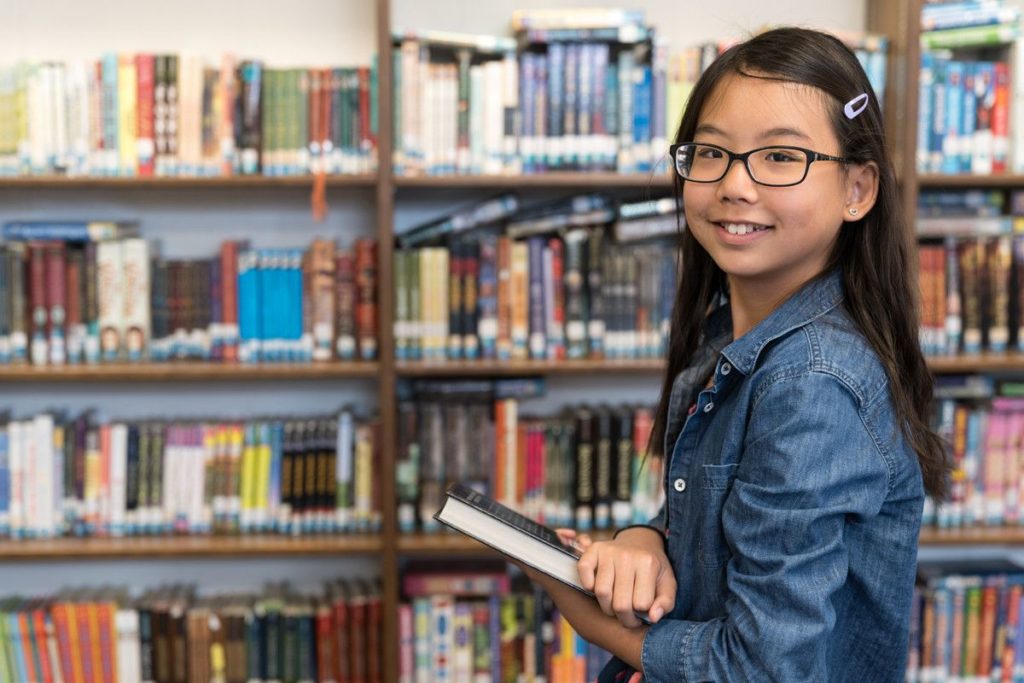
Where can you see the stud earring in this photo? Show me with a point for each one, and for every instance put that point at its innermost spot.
(853, 211)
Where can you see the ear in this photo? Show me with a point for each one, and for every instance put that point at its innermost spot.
(861, 190)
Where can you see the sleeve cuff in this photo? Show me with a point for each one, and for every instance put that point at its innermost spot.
(665, 650)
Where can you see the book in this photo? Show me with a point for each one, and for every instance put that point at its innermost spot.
(510, 533)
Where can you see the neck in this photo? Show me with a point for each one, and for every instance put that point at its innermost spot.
(752, 301)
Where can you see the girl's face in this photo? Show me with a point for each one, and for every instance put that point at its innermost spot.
(800, 223)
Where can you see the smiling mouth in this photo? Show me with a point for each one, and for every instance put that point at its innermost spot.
(743, 228)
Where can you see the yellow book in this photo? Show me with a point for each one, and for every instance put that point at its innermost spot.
(363, 480)
(248, 478)
(519, 299)
(261, 481)
(233, 485)
(91, 486)
(127, 122)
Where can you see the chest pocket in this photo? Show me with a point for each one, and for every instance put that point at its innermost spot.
(716, 483)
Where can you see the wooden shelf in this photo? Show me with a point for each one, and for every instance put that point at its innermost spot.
(983, 362)
(188, 546)
(972, 536)
(456, 544)
(98, 182)
(451, 543)
(942, 365)
(542, 180)
(186, 371)
(470, 368)
(937, 180)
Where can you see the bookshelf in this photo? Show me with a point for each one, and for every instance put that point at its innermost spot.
(373, 201)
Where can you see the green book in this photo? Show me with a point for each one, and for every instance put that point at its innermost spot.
(969, 36)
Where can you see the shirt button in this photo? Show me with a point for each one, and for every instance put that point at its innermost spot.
(709, 407)
(679, 484)
(726, 368)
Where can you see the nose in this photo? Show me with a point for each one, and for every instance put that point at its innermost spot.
(737, 184)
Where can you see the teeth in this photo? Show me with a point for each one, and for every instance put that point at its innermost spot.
(743, 228)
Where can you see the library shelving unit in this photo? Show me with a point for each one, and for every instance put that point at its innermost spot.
(897, 19)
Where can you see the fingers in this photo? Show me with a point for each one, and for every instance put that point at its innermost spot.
(665, 596)
(613, 587)
(566, 536)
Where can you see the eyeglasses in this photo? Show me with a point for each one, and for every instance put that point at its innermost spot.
(771, 166)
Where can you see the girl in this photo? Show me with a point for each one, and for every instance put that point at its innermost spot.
(794, 407)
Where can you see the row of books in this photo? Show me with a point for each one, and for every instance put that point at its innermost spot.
(580, 93)
(289, 475)
(541, 298)
(971, 294)
(944, 16)
(964, 116)
(986, 447)
(477, 625)
(68, 301)
(172, 634)
(966, 625)
(178, 115)
(586, 468)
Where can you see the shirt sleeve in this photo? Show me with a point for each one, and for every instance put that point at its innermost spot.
(809, 464)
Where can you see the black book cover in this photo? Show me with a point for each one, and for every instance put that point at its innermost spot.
(509, 517)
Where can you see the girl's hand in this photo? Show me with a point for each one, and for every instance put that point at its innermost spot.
(628, 574)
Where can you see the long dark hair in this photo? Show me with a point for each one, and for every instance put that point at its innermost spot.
(876, 253)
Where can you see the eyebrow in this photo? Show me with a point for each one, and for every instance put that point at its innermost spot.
(782, 131)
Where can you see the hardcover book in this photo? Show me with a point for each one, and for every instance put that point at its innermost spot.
(510, 533)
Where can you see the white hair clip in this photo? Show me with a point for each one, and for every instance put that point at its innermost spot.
(852, 109)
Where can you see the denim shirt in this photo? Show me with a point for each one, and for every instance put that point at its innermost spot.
(793, 505)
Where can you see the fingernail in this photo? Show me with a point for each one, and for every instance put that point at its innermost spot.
(655, 614)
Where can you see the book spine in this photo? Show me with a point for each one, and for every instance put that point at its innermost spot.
(345, 295)
(487, 323)
(39, 348)
(470, 299)
(538, 334)
(56, 303)
(585, 466)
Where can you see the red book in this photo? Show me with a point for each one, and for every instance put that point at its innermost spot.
(357, 636)
(345, 304)
(366, 298)
(1001, 118)
(342, 649)
(326, 661)
(108, 640)
(75, 292)
(42, 645)
(61, 614)
(229, 297)
(556, 334)
(326, 116)
(38, 311)
(56, 301)
(373, 642)
(145, 69)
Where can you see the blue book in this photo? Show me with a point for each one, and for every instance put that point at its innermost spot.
(110, 163)
(487, 320)
(642, 104)
(556, 105)
(969, 118)
(954, 101)
(248, 306)
(926, 84)
(938, 124)
(571, 131)
(69, 230)
(626, 67)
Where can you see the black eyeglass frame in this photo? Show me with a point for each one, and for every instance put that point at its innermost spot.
(812, 156)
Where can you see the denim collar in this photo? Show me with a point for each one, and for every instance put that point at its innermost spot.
(813, 300)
